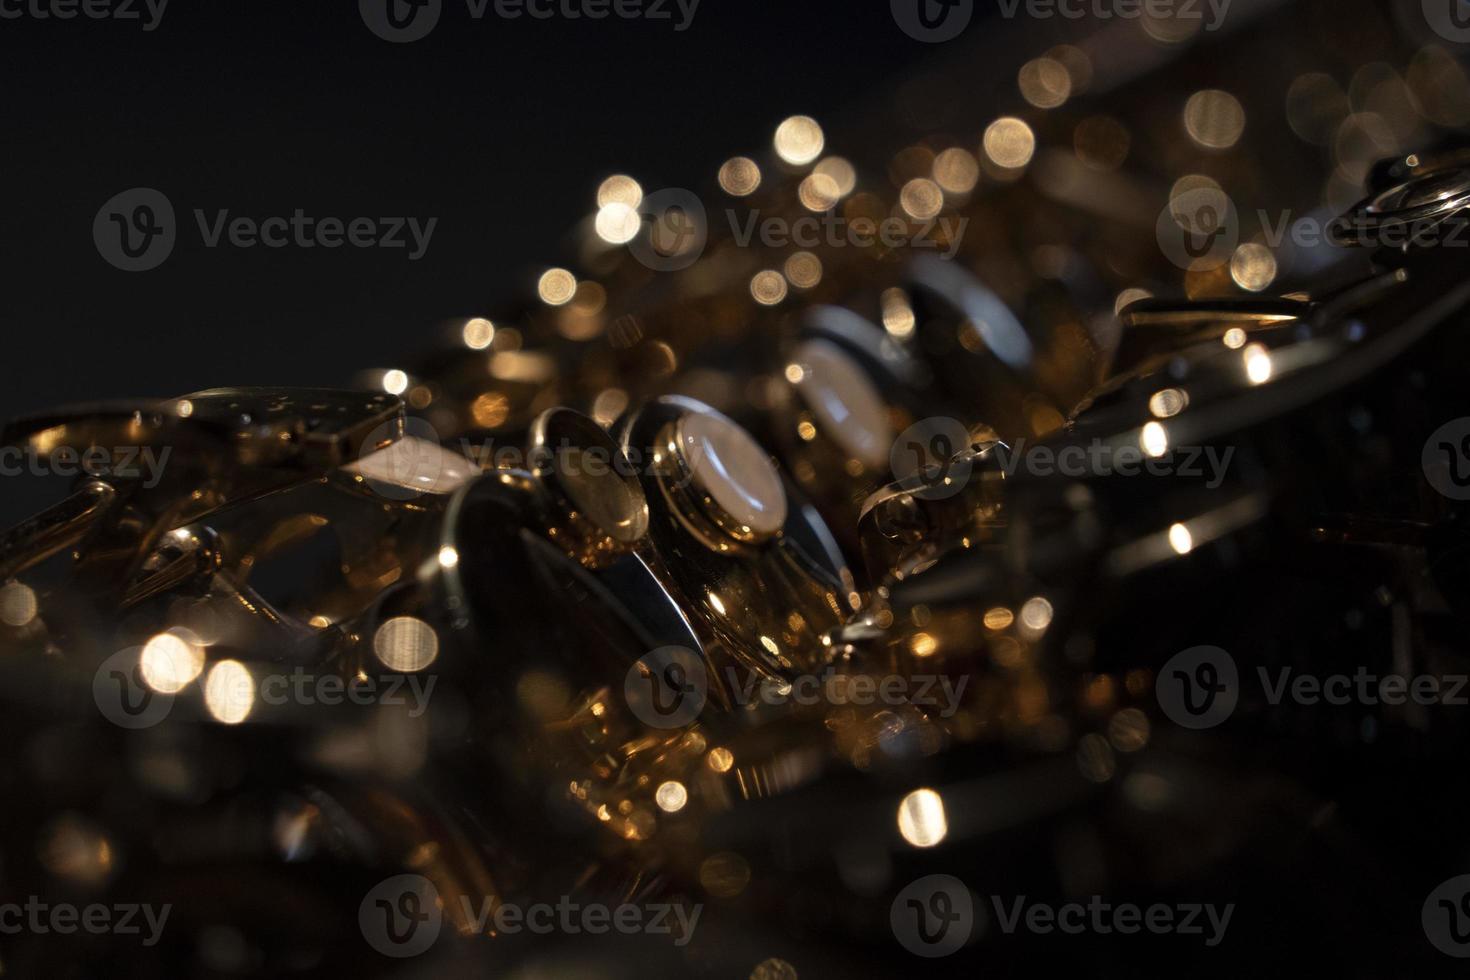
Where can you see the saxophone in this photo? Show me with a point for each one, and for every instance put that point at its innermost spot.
(1033, 536)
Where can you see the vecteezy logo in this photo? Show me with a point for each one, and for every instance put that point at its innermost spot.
(934, 21)
(674, 230)
(926, 451)
(410, 464)
(122, 695)
(1198, 688)
(401, 21)
(1199, 229)
(1450, 19)
(667, 688)
(401, 916)
(1446, 917)
(934, 916)
(1446, 459)
(135, 230)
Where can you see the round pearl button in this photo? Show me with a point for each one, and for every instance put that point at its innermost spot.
(734, 472)
(847, 406)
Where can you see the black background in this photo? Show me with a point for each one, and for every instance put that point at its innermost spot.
(500, 129)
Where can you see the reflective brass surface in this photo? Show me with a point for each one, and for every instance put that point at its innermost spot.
(762, 473)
